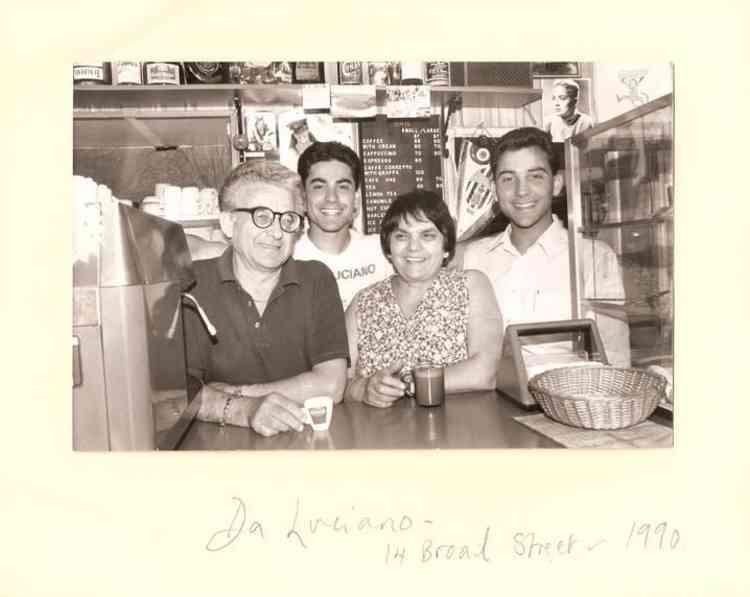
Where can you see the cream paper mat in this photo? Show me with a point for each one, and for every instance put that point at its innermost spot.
(644, 435)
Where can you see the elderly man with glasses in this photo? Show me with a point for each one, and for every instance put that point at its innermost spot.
(280, 333)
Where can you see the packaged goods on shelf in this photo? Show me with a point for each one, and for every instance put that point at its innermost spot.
(438, 73)
(259, 73)
(384, 73)
(127, 73)
(97, 73)
(163, 73)
(412, 73)
(351, 73)
(308, 72)
(206, 73)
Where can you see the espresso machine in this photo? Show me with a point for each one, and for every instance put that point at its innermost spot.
(129, 375)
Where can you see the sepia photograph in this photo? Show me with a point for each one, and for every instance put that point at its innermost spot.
(324, 341)
(226, 296)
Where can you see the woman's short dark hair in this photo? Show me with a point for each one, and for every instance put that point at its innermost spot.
(324, 151)
(424, 206)
(521, 138)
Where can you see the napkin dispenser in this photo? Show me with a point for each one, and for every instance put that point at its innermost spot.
(530, 348)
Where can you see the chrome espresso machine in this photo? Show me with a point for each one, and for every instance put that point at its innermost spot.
(129, 377)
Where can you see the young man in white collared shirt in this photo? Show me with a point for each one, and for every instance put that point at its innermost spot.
(528, 263)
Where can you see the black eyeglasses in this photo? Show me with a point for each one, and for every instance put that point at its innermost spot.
(263, 217)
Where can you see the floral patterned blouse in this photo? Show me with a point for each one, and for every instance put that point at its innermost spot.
(436, 333)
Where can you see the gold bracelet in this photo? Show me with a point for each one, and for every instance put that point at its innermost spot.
(236, 394)
(227, 402)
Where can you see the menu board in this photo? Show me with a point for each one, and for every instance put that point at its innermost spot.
(398, 155)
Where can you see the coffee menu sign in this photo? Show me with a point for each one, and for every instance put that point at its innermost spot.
(398, 156)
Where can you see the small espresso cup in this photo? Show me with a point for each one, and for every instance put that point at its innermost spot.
(317, 412)
(429, 384)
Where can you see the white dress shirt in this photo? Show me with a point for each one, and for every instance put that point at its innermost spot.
(535, 286)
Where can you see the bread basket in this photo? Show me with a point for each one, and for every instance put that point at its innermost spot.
(598, 397)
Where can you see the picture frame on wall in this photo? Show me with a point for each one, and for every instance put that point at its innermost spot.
(308, 72)
(555, 69)
(567, 117)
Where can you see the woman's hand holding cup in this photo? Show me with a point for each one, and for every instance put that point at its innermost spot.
(384, 387)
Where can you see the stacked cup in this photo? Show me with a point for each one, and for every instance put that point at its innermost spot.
(171, 202)
(190, 202)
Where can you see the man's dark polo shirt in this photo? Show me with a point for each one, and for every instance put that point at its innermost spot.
(302, 325)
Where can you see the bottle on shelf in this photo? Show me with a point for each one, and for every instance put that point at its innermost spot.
(95, 73)
(412, 73)
(384, 73)
(351, 73)
(211, 73)
(259, 73)
(163, 73)
(438, 73)
(127, 73)
(308, 72)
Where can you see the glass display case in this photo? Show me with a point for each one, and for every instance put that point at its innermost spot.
(619, 177)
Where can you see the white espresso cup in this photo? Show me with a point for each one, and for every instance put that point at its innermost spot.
(318, 412)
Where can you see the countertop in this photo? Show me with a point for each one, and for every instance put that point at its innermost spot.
(468, 420)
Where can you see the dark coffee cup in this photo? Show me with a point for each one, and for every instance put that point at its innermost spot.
(429, 385)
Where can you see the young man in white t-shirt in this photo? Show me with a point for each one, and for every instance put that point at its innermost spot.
(331, 173)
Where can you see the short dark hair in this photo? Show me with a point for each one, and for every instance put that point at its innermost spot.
(421, 205)
(324, 151)
(521, 138)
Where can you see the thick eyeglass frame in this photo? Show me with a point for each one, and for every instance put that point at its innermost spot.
(281, 214)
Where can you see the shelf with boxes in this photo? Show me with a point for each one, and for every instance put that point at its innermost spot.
(135, 137)
(131, 137)
(97, 98)
(179, 97)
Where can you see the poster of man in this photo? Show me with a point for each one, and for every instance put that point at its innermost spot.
(567, 107)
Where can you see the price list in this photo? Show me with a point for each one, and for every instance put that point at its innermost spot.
(398, 156)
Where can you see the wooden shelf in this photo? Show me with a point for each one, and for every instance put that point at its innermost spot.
(190, 98)
(653, 220)
(194, 98)
(197, 221)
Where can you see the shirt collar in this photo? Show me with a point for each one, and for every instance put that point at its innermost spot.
(224, 266)
(289, 271)
(554, 240)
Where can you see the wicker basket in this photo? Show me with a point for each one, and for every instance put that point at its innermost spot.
(598, 397)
